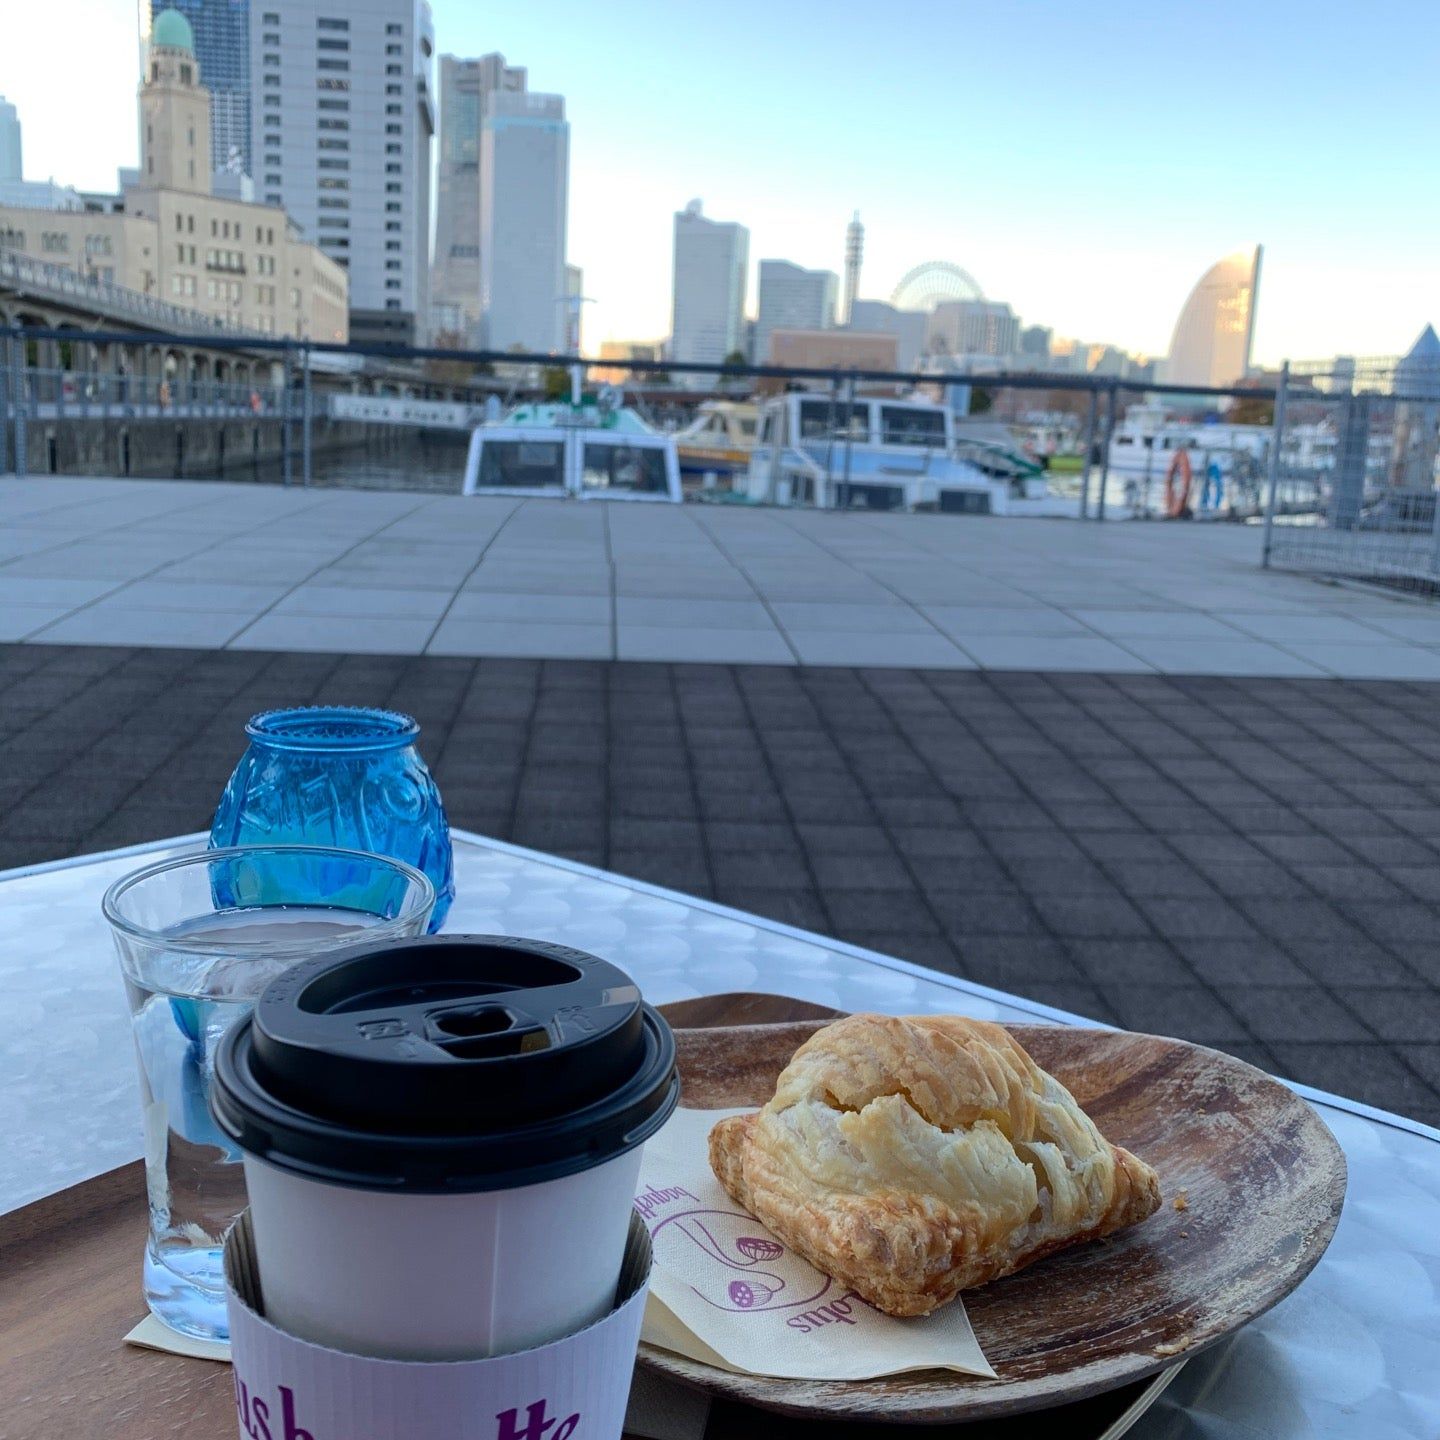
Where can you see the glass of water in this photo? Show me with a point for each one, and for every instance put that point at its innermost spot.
(199, 938)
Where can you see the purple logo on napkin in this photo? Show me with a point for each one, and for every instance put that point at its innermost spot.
(730, 1267)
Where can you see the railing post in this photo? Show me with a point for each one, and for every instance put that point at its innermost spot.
(849, 431)
(305, 418)
(285, 415)
(22, 439)
(1110, 408)
(7, 357)
(1277, 439)
(1089, 451)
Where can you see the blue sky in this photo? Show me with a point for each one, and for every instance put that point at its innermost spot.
(1084, 162)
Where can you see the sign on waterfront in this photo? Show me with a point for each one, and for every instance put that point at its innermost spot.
(397, 410)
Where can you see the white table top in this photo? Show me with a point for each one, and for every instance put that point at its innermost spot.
(1354, 1352)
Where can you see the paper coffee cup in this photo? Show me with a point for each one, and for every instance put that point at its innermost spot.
(441, 1141)
(292, 1389)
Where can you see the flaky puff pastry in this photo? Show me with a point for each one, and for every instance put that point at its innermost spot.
(914, 1157)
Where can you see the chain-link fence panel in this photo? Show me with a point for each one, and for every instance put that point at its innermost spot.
(1352, 492)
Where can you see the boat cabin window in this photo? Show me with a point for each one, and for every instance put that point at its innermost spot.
(827, 419)
(907, 425)
(639, 469)
(746, 426)
(522, 464)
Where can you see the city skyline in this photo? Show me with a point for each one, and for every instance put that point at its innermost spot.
(1089, 200)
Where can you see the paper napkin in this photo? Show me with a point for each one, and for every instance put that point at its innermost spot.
(726, 1292)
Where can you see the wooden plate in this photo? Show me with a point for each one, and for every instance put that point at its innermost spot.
(1262, 1181)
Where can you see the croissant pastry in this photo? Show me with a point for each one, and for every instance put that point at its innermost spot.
(914, 1157)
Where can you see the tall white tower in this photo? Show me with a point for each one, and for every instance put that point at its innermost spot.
(854, 257)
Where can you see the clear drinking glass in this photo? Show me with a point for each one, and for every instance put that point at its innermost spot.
(199, 938)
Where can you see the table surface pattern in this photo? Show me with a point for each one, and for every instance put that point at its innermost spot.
(1353, 1351)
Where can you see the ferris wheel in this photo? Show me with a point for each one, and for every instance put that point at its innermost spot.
(933, 283)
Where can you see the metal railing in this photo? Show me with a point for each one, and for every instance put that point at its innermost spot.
(1363, 441)
(47, 281)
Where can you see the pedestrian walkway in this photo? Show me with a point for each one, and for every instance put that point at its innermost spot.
(1254, 864)
(249, 567)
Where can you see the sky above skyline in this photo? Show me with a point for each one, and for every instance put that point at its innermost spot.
(1085, 165)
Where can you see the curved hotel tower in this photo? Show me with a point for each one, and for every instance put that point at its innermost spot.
(1211, 343)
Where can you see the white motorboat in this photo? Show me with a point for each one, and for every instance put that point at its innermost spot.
(590, 449)
(886, 454)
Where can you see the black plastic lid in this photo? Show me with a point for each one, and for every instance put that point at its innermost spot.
(447, 1064)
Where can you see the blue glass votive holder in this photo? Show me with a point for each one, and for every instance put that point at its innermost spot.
(339, 776)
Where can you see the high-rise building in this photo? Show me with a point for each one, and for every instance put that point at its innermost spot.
(854, 258)
(1035, 341)
(708, 294)
(973, 327)
(222, 46)
(173, 233)
(1212, 339)
(792, 298)
(455, 276)
(524, 196)
(11, 162)
(879, 317)
(341, 128)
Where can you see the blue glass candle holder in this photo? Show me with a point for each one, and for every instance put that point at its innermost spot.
(343, 777)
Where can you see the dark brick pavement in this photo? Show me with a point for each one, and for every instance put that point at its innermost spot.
(1250, 863)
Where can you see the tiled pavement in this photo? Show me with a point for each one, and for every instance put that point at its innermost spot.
(1250, 863)
(254, 567)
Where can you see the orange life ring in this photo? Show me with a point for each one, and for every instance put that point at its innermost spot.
(1177, 497)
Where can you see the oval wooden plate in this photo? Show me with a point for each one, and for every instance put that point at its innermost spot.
(1260, 1176)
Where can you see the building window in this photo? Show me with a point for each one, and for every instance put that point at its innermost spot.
(393, 110)
(332, 105)
(270, 18)
(332, 124)
(394, 90)
(391, 168)
(326, 23)
(55, 242)
(327, 163)
(323, 44)
(273, 180)
(269, 38)
(392, 264)
(393, 187)
(394, 29)
(192, 254)
(332, 64)
(393, 148)
(179, 223)
(392, 206)
(394, 70)
(329, 144)
(393, 129)
(394, 49)
(392, 225)
(273, 197)
(334, 222)
(179, 254)
(271, 100)
(269, 234)
(272, 80)
(272, 59)
(328, 83)
(184, 74)
(334, 202)
(190, 222)
(392, 244)
(392, 284)
(213, 229)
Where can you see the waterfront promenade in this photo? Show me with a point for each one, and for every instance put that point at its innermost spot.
(1117, 768)
(214, 565)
